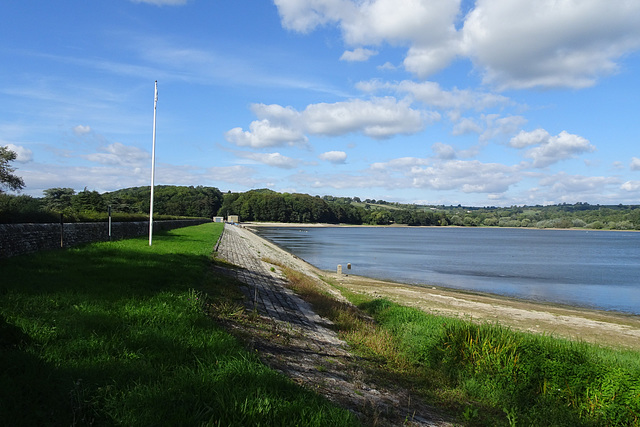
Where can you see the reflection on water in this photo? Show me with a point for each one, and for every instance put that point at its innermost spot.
(576, 267)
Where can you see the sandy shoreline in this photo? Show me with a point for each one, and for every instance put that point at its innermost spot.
(595, 326)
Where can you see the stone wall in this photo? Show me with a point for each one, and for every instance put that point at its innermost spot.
(17, 239)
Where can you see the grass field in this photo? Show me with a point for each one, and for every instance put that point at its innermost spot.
(114, 334)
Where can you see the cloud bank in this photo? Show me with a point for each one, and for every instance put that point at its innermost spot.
(514, 44)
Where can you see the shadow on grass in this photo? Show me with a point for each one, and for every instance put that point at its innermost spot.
(114, 333)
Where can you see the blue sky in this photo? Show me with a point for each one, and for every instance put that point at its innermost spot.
(492, 102)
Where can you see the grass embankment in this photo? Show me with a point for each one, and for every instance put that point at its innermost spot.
(486, 374)
(115, 334)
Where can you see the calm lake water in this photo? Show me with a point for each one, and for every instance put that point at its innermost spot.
(595, 269)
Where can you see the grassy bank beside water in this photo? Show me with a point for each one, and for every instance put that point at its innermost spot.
(532, 379)
(485, 374)
(115, 333)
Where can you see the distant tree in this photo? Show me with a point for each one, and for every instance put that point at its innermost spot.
(403, 216)
(7, 179)
(227, 207)
(168, 200)
(88, 201)
(380, 217)
(58, 199)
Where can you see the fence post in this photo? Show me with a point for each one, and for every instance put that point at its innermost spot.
(109, 222)
(62, 230)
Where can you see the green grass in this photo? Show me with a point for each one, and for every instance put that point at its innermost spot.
(532, 379)
(484, 374)
(115, 333)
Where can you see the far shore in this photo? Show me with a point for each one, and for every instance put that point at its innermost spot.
(606, 328)
(322, 224)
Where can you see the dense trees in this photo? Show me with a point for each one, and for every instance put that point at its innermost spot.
(91, 205)
(7, 179)
(23, 209)
(168, 200)
(268, 205)
(58, 199)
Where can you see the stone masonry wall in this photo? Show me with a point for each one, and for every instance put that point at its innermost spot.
(17, 239)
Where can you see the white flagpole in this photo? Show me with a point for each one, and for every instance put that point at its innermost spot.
(153, 164)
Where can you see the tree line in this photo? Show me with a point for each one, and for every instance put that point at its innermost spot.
(270, 206)
(127, 204)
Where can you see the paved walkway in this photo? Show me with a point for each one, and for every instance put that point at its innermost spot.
(303, 347)
(266, 290)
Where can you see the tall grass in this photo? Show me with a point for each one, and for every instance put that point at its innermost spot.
(486, 374)
(114, 333)
(535, 380)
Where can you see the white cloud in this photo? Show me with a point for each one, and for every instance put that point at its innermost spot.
(341, 181)
(514, 44)
(426, 60)
(467, 176)
(432, 94)
(81, 130)
(120, 155)
(241, 175)
(402, 163)
(444, 151)
(470, 176)
(465, 126)
(264, 133)
(305, 16)
(631, 186)
(428, 25)
(525, 139)
(334, 156)
(272, 159)
(635, 164)
(372, 22)
(23, 155)
(565, 187)
(549, 43)
(615, 165)
(378, 118)
(100, 178)
(387, 66)
(496, 126)
(550, 149)
(358, 55)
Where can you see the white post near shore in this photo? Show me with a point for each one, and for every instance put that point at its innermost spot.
(153, 164)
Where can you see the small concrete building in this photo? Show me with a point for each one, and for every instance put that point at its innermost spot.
(233, 218)
(218, 219)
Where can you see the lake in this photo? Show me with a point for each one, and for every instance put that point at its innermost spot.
(593, 269)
